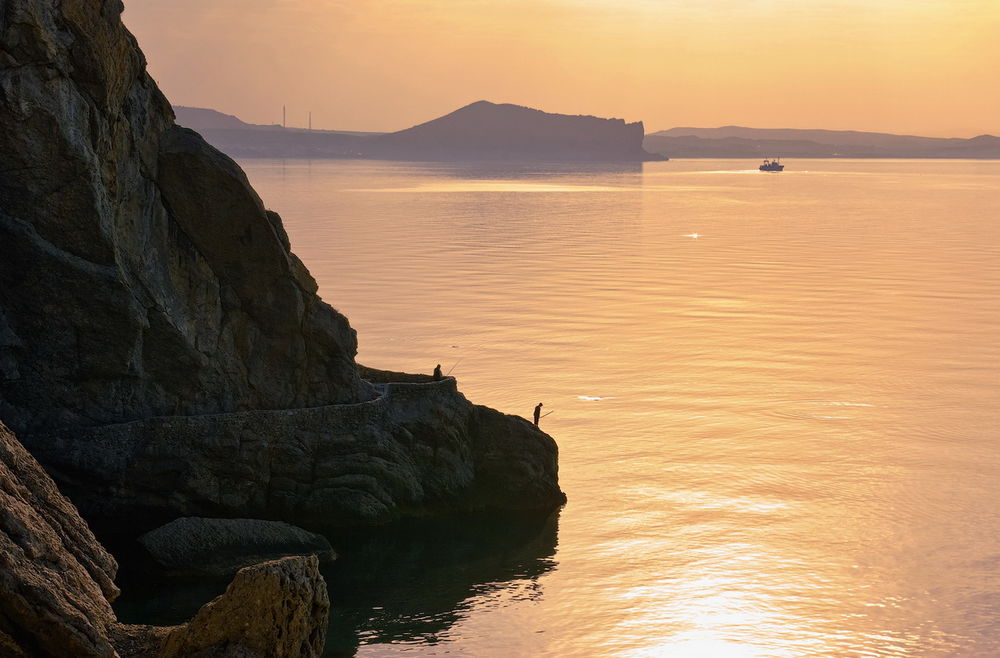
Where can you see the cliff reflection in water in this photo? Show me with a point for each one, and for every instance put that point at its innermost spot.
(409, 583)
(405, 583)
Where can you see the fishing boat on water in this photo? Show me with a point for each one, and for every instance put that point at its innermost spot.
(772, 165)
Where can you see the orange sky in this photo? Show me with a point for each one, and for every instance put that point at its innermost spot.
(928, 67)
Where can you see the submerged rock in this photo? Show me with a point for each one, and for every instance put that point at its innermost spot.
(221, 546)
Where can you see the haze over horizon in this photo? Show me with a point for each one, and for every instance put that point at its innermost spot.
(923, 67)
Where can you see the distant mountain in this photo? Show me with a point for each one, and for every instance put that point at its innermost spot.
(480, 131)
(739, 142)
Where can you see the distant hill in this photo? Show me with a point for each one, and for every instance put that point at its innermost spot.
(200, 118)
(480, 131)
(739, 142)
(491, 131)
(240, 139)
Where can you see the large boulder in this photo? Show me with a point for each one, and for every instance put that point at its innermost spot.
(223, 546)
(276, 609)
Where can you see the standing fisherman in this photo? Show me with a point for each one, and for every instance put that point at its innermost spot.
(437, 372)
(538, 413)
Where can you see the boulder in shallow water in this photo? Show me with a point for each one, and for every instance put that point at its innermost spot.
(275, 609)
(222, 546)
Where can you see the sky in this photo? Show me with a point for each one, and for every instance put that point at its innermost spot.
(927, 67)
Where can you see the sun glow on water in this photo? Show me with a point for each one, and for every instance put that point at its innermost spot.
(769, 446)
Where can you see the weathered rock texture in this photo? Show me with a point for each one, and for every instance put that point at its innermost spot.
(223, 546)
(56, 585)
(139, 272)
(56, 580)
(275, 609)
(150, 309)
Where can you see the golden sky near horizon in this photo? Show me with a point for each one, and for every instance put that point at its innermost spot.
(929, 67)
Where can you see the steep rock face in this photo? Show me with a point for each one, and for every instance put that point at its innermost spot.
(139, 272)
(56, 580)
(418, 448)
(276, 609)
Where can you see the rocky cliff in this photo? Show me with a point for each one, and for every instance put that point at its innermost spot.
(416, 449)
(56, 588)
(163, 352)
(140, 274)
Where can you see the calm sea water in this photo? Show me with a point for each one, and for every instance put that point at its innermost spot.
(777, 398)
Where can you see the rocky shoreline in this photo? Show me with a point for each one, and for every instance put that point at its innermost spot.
(414, 450)
(164, 354)
(57, 586)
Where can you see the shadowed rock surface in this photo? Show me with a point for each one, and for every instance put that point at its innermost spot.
(417, 449)
(56, 580)
(163, 352)
(139, 272)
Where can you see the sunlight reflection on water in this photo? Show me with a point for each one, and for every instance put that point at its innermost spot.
(779, 440)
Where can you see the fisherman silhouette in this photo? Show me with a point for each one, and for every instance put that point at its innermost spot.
(437, 372)
(538, 413)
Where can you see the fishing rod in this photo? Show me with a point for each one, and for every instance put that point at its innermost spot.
(453, 367)
(544, 415)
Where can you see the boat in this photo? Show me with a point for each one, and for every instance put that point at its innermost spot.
(772, 165)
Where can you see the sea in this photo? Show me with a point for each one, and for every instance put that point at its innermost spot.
(776, 397)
